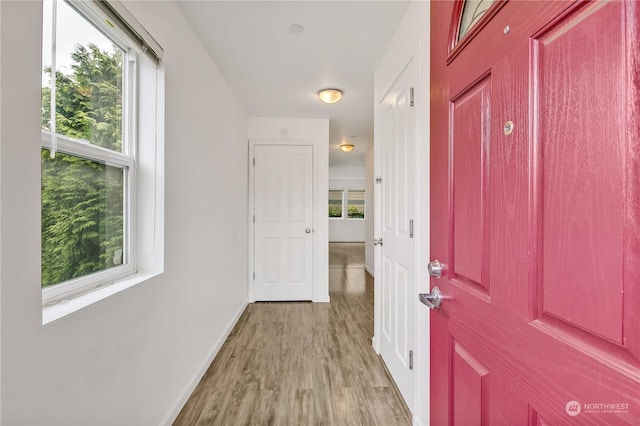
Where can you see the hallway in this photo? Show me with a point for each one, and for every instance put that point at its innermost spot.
(302, 363)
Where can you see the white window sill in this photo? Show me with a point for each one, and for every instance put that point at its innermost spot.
(69, 306)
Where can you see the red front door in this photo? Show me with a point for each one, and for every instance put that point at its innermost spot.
(535, 214)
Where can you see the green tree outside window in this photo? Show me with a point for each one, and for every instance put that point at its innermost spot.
(83, 200)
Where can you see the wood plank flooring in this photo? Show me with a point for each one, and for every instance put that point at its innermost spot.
(296, 363)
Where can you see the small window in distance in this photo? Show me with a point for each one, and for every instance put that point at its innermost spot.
(335, 203)
(355, 204)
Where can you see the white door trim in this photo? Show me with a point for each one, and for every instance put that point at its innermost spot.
(320, 218)
(420, 53)
(283, 220)
(397, 268)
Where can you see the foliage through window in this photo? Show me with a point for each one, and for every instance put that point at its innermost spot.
(88, 152)
(82, 217)
(355, 204)
(335, 203)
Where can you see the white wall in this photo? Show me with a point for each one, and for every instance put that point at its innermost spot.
(345, 229)
(314, 132)
(412, 40)
(134, 357)
(346, 171)
(369, 186)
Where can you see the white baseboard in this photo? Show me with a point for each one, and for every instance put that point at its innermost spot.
(417, 421)
(369, 270)
(186, 393)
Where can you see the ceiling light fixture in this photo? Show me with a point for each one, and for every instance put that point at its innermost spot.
(330, 96)
(346, 147)
(296, 28)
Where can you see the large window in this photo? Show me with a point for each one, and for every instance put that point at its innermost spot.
(335, 203)
(355, 204)
(89, 155)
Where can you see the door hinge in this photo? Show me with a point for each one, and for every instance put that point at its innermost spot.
(410, 360)
(378, 179)
(377, 241)
(254, 276)
(254, 161)
(411, 97)
(410, 227)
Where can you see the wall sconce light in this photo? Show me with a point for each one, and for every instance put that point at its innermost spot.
(346, 147)
(330, 96)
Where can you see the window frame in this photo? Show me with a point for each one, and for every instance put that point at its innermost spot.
(457, 44)
(342, 216)
(126, 160)
(364, 204)
(463, 31)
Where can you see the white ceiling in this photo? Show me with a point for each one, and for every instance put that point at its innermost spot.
(277, 73)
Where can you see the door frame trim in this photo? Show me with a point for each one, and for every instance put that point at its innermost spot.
(412, 42)
(320, 283)
(407, 70)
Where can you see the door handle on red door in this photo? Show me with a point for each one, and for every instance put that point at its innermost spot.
(433, 300)
(435, 268)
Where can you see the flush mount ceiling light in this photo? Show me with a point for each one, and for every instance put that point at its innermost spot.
(346, 147)
(296, 28)
(330, 96)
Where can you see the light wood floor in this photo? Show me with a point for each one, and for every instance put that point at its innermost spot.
(302, 363)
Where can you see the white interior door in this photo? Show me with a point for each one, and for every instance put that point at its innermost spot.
(397, 254)
(283, 222)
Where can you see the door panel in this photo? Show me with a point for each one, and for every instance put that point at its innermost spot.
(283, 209)
(470, 386)
(535, 212)
(506, 408)
(469, 142)
(386, 269)
(397, 255)
(582, 183)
